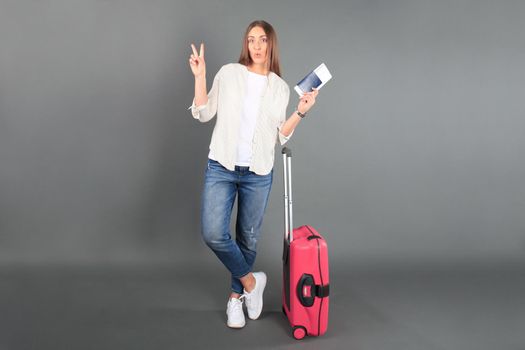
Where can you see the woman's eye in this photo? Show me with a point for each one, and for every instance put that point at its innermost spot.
(264, 40)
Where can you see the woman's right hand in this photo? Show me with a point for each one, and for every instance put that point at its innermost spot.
(197, 64)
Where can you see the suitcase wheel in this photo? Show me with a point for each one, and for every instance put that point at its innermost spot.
(299, 332)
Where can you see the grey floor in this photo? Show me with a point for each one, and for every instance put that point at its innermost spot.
(159, 307)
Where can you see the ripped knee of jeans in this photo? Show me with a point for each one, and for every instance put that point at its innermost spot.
(249, 239)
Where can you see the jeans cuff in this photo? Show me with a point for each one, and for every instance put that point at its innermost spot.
(242, 275)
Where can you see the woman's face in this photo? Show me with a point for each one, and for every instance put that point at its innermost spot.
(257, 44)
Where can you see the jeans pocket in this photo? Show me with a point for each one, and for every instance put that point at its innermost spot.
(214, 165)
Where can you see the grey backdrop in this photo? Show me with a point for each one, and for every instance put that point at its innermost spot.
(413, 153)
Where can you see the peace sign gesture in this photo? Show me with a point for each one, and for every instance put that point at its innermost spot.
(197, 64)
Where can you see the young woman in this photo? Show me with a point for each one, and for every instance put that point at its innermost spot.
(250, 100)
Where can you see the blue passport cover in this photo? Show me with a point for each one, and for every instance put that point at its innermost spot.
(309, 82)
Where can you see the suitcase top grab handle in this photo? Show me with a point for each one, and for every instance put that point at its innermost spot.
(288, 213)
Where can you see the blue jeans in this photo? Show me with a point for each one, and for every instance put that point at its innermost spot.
(221, 186)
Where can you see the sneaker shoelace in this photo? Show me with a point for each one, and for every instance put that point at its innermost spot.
(235, 305)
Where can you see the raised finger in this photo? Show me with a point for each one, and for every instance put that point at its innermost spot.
(201, 52)
(194, 49)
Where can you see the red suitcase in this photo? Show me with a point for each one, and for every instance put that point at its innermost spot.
(305, 270)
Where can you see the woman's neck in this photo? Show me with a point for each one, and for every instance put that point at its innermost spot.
(258, 68)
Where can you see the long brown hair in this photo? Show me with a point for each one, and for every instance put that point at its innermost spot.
(272, 49)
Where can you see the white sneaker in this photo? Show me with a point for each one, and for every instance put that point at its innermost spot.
(254, 299)
(235, 313)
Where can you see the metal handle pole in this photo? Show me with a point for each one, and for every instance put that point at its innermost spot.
(290, 201)
(288, 212)
(285, 173)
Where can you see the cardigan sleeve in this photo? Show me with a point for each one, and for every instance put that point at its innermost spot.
(282, 117)
(207, 111)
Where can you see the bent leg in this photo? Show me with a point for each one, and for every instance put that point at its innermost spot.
(217, 202)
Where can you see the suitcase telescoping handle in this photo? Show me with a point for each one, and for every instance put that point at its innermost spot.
(288, 213)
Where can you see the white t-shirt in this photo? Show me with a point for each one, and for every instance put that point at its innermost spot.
(255, 85)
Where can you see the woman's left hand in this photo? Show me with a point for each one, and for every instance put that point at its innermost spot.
(307, 100)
